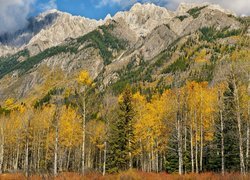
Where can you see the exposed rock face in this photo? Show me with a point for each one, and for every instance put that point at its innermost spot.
(209, 18)
(46, 30)
(184, 7)
(160, 38)
(65, 26)
(207, 15)
(142, 19)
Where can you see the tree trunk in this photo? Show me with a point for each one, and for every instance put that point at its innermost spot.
(237, 104)
(196, 144)
(180, 155)
(248, 133)
(56, 140)
(104, 158)
(1, 148)
(191, 145)
(17, 158)
(130, 154)
(142, 159)
(68, 159)
(201, 144)
(83, 133)
(222, 144)
(185, 143)
(27, 149)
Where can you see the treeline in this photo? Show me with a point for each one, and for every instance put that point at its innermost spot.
(195, 128)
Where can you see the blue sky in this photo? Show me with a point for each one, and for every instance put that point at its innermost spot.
(100, 8)
(14, 13)
(88, 8)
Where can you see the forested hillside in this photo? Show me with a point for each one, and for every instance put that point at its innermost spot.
(105, 103)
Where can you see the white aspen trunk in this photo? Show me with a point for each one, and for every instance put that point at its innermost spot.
(38, 156)
(27, 149)
(1, 149)
(196, 144)
(152, 159)
(191, 145)
(192, 149)
(56, 153)
(142, 160)
(179, 144)
(104, 158)
(248, 133)
(68, 159)
(185, 141)
(179, 136)
(237, 103)
(130, 154)
(27, 158)
(149, 162)
(201, 144)
(56, 141)
(17, 158)
(83, 133)
(222, 144)
(157, 158)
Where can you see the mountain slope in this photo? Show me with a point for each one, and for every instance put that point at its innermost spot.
(47, 30)
(121, 51)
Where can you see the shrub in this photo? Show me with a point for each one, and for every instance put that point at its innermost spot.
(195, 12)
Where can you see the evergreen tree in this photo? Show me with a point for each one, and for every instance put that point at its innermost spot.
(121, 135)
(232, 160)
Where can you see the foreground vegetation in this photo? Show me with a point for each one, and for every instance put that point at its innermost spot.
(133, 175)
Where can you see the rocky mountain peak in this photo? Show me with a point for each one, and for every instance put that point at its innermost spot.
(143, 18)
(48, 29)
(184, 7)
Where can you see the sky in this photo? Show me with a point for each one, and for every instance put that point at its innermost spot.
(14, 13)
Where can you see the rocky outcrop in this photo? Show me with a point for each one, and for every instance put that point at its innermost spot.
(47, 30)
(191, 17)
(143, 18)
(184, 7)
(158, 40)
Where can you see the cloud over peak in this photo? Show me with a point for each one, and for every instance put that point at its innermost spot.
(13, 14)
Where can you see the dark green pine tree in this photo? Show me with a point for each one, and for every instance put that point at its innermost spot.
(232, 160)
(231, 151)
(121, 135)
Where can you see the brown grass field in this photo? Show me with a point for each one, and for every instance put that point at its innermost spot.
(130, 175)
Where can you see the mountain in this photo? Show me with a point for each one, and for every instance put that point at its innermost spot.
(46, 30)
(146, 45)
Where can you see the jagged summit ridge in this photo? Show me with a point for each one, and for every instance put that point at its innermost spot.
(184, 7)
(143, 18)
(52, 27)
(48, 29)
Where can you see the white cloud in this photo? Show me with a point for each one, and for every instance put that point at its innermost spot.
(13, 14)
(48, 6)
(238, 6)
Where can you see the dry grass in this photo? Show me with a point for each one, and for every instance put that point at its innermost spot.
(131, 175)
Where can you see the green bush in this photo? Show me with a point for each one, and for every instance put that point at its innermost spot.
(195, 12)
(182, 17)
